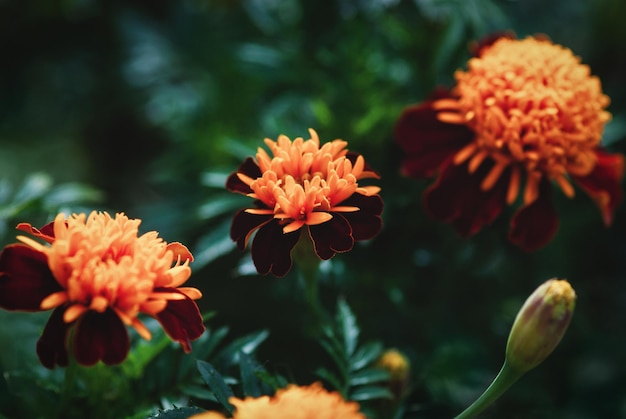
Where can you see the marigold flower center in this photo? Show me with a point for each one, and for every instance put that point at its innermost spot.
(533, 106)
(102, 262)
(303, 183)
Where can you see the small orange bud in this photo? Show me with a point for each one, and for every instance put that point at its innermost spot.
(540, 324)
(396, 363)
(398, 366)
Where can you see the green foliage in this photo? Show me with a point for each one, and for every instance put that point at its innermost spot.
(354, 375)
(177, 413)
(146, 107)
(37, 195)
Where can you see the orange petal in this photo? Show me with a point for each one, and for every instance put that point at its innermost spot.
(54, 300)
(191, 292)
(181, 250)
(73, 312)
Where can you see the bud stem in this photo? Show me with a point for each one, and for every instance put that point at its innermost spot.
(505, 378)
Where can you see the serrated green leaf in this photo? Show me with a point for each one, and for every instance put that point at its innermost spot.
(177, 413)
(370, 393)
(249, 381)
(369, 376)
(216, 384)
(365, 355)
(349, 328)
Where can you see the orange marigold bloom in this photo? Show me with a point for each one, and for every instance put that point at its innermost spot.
(304, 186)
(98, 274)
(525, 114)
(293, 402)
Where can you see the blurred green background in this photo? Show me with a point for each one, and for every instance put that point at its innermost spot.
(145, 107)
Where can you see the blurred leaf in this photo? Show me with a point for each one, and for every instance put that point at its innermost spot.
(216, 383)
(366, 354)
(70, 193)
(369, 376)
(249, 381)
(33, 187)
(198, 392)
(220, 204)
(274, 381)
(213, 245)
(246, 344)
(177, 413)
(214, 179)
(615, 130)
(203, 348)
(349, 329)
(370, 393)
(331, 378)
(143, 353)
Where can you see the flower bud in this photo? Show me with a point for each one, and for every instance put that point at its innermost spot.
(398, 365)
(540, 324)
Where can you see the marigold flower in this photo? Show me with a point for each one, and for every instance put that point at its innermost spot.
(540, 324)
(293, 402)
(524, 115)
(98, 275)
(304, 186)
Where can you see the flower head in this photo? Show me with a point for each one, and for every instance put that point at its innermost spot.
(304, 186)
(98, 275)
(293, 402)
(540, 324)
(525, 114)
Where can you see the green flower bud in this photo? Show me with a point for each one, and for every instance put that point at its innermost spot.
(540, 324)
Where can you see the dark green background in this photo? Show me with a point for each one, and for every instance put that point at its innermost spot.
(145, 106)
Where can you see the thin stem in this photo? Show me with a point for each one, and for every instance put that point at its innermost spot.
(69, 385)
(505, 378)
(308, 263)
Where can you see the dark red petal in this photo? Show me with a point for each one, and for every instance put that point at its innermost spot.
(367, 222)
(352, 156)
(100, 336)
(426, 141)
(46, 233)
(534, 225)
(244, 224)
(271, 249)
(603, 184)
(248, 168)
(333, 236)
(476, 48)
(52, 345)
(181, 320)
(25, 279)
(456, 197)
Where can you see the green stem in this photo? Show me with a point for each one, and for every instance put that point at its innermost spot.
(69, 385)
(505, 378)
(308, 263)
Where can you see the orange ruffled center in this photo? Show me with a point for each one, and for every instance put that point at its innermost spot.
(303, 183)
(293, 402)
(535, 108)
(101, 263)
